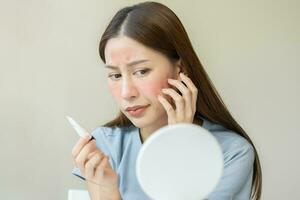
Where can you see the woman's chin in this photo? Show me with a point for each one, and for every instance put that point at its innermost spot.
(140, 123)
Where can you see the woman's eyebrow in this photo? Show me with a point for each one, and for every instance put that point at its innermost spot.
(128, 64)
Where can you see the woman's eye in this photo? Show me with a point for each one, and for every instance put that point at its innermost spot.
(113, 76)
(139, 72)
(143, 71)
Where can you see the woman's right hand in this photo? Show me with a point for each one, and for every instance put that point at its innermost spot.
(94, 165)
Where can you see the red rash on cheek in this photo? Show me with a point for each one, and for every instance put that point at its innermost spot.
(153, 88)
(150, 89)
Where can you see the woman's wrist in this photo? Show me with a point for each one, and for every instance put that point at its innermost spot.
(109, 194)
(103, 193)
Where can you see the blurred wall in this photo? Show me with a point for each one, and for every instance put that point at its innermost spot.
(50, 68)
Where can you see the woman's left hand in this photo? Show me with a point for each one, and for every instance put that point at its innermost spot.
(185, 104)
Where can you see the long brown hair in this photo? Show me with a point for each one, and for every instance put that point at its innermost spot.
(157, 27)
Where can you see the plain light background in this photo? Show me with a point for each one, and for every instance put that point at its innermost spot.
(50, 67)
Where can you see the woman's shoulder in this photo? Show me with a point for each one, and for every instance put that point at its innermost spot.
(239, 158)
(232, 143)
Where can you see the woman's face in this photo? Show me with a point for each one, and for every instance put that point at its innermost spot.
(141, 82)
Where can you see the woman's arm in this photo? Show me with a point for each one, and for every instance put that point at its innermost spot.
(98, 193)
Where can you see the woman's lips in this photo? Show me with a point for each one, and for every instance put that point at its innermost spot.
(138, 111)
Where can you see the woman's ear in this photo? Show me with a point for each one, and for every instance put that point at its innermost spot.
(179, 68)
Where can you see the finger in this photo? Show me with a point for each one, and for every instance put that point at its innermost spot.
(189, 83)
(78, 146)
(169, 109)
(186, 94)
(83, 154)
(92, 164)
(179, 102)
(100, 168)
(90, 155)
(179, 85)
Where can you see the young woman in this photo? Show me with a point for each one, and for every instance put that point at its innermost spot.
(157, 79)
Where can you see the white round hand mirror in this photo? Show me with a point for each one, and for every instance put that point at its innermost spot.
(179, 161)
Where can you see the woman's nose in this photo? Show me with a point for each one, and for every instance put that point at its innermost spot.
(128, 89)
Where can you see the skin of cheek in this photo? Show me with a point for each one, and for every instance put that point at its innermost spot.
(115, 91)
(153, 89)
(150, 89)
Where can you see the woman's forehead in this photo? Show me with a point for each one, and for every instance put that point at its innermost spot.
(125, 50)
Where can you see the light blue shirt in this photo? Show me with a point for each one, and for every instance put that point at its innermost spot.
(122, 145)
